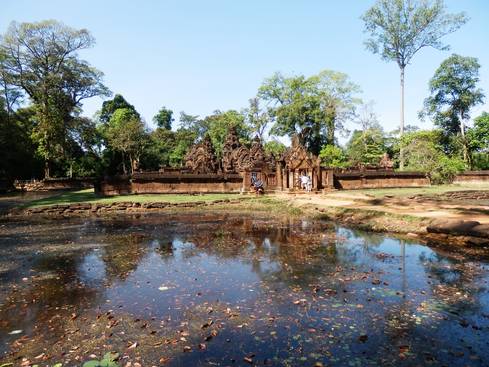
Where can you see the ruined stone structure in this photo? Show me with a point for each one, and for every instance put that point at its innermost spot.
(204, 173)
(295, 162)
(386, 162)
(201, 158)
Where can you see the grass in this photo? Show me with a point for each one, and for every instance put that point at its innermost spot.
(429, 190)
(88, 196)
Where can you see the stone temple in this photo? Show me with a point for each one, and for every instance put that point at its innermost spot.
(204, 172)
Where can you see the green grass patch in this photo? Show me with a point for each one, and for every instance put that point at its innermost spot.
(88, 196)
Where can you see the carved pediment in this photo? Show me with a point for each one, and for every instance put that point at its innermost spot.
(297, 157)
(201, 157)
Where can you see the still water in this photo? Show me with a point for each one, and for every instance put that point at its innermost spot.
(229, 290)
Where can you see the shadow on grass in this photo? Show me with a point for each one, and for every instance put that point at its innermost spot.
(63, 198)
(469, 211)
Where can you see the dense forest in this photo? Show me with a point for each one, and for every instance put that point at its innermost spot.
(44, 81)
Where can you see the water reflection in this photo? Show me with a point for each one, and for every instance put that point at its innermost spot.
(215, 289)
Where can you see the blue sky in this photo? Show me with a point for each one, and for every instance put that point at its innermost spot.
(198, 56)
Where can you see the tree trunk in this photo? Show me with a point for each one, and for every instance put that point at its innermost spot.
(401, 126)
(124, 171)
(464, 141)
(46, 168)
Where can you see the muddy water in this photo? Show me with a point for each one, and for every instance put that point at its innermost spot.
(228, 290)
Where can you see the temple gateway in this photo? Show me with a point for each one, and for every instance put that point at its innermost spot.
(296, 170)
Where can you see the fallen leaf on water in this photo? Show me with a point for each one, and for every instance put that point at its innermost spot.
(248, 360)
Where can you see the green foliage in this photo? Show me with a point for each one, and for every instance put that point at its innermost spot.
(127, 134)
(257, 118)
(424, 153)
(17, 148)
(42, 61)
(454, 92)
(112, 105)
(109, 360)
(164, 118)
(167, 148)
(192, 123)
(398, 29)
(218, 124)
(333, 156)
(478, 135)
(275, 148)
(367, 147)
(478, 140)
(183, 141)
(312, 108)
(480, 161)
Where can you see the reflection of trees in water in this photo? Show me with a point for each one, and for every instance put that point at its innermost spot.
(124, 254)
(46, 305)
(370, 239)
(165, 249)
(453, 279)
(290, 251)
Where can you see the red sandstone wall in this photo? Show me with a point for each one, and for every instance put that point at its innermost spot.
(472, 176)
(155, 187)
(375, 180)
(55, 184)
(157, 183)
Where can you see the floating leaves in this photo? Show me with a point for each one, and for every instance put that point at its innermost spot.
(225, 289)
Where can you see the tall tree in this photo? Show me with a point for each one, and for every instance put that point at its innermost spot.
(111, 105)
(193, 123)
(312, 108)
(337, 100)
(42, 60)
(454, 92)
(10, 93)
(257, 118)
(164, 118)
(127, 134)
(400, 28)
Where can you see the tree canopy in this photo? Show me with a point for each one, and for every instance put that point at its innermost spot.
(164, 118)
(41, 60)
(454, 91)
(313, 108)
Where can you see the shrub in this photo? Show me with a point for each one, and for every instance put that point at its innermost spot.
(367, 147)
(423, 152)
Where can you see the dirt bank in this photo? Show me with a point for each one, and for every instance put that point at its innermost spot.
(428, 218)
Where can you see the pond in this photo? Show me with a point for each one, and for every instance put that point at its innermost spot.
(235, 290)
